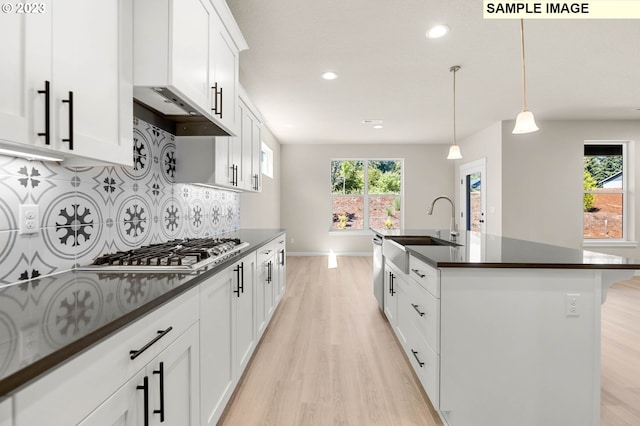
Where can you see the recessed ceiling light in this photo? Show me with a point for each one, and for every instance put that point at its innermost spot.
(378, 126)
(330, 75)
(438, 31)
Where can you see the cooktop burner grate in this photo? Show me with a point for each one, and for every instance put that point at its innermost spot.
(189, 254)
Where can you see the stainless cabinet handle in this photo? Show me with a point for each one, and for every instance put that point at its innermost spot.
(161, 333)
(70, 138)
(417, 272)
(417, 310)
(415, 355)
(47, 113)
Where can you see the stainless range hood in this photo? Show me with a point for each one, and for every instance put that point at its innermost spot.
(167, 109)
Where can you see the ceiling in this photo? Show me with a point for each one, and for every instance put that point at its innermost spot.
(389, 70)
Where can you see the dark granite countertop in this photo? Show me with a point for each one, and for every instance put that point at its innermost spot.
(46, 321)
(476, 250)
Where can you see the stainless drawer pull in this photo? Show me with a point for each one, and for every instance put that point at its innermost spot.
(415, 355)
(417, 272)
(161, 334)
(417, 310)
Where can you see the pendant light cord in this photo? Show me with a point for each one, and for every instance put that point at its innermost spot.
(454, 69)
(524, 81)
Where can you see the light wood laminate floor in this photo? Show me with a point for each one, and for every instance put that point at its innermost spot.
(330, 358)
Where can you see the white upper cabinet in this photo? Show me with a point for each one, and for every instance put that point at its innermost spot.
(224, 71)
(190, 49)
(67, 81)
(224, 161)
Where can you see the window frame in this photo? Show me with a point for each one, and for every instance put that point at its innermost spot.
(365, 227)
(266, 160)
(627, 207)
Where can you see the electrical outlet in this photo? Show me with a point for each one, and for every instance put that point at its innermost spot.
(572, 305)
(29, 218)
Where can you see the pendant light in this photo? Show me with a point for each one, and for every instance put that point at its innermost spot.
(525, 123)
(454, 150)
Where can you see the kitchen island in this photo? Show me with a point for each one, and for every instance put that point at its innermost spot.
(500, 331)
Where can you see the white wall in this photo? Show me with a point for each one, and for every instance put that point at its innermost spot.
(262, 210)
(542, 176)
(306, 204)
(486, 144)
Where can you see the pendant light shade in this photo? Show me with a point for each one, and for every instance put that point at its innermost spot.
(525, 122)
(454, 150)
(454, 153)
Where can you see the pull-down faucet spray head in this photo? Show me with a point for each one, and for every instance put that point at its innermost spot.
(453, 228)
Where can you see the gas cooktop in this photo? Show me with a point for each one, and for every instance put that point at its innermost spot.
(182, 255)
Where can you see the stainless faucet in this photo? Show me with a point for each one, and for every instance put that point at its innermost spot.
(453, 227)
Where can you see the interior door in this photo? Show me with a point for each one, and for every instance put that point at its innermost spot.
(473, 196)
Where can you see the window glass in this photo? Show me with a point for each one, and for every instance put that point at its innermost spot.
(366, 194)
(604, 191)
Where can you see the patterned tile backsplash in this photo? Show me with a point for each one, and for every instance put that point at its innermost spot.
(88, 211)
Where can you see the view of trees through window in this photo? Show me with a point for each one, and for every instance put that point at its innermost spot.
(603, 191)
(366, 194)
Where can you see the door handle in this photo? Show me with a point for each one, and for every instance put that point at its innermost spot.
(161, 333)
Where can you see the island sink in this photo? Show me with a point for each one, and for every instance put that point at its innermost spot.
(422, 240)
(394, 250)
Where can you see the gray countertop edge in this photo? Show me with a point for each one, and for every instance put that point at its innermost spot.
(23, 377)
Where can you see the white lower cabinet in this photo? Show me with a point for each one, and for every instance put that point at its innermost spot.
(265, 291)
(165, 391)
(177, 365)
(227, 334)
(85, 383)
(417, 322)
(216, 342)
(391, 293)
(123, 408)
(281, 266)
(6, 412)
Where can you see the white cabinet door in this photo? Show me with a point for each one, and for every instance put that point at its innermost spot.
(26, 65)
(191, 49)
(92, 79)
(256, 153)
(281, 255)
(391, 295)
(224, 74)
(264, 286)
(245, 326)
(6, 412)
(174, 376)
(123, 408)
(216, 363)
(87, 63)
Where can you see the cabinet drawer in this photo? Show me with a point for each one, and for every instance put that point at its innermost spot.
(424, 312)
(90, 378)
(266, 252)
(426, 364)
(427, 276)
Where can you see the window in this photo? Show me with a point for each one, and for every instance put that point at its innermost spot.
(605, 192)
(366, 194)
(266, 160)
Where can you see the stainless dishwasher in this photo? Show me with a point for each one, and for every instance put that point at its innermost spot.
(378, 270)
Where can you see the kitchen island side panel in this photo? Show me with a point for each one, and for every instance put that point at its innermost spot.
(511, 354)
